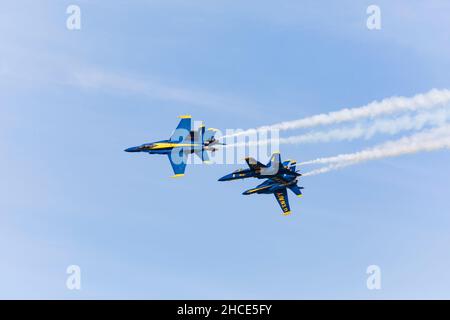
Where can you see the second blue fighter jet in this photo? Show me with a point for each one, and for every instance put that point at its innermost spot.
(280, 177)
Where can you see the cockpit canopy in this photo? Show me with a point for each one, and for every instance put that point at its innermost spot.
(147, 146)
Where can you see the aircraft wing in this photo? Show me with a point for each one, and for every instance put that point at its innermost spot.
(283, 201)
(178, 160)
(183, 129)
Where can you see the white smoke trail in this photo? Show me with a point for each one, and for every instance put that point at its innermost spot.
(374, 109)
(434, 139)
(379, 126)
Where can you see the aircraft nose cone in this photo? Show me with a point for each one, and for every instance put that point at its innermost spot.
(132, 149)
(226, 178)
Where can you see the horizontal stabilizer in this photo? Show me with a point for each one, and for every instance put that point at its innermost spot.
(202, 154)
(296, 189)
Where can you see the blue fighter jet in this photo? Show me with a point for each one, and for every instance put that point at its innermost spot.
(182, 142)
(280, 177)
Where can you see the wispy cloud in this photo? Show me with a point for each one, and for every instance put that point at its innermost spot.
(97, 79)
(21, 69)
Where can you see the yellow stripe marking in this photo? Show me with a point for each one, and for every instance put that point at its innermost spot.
(256, 189)
(164, 145)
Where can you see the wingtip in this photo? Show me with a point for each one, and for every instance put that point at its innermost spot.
(213, 129)
(185, 116)
(178, 175)
(287, 213)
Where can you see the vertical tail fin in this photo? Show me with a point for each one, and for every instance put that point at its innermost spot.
(274, 165)
(292, 166)
(203, 137)
(208, 136)
(201, 133)
(275, 160)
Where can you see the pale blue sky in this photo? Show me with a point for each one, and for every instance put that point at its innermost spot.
(71, 101)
